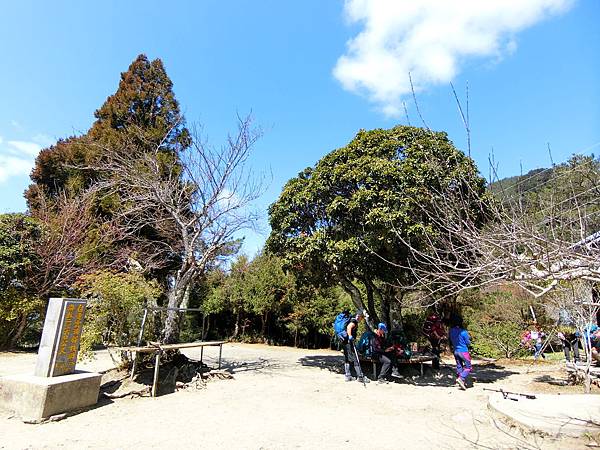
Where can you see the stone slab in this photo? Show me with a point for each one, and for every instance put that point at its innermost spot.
(553, 414)
(59, 346)
(34, 398)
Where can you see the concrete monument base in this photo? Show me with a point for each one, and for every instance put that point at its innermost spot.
(35, 398)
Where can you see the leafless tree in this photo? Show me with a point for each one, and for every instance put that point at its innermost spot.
(576, 301)
(65, 249)
(536, 243)
(544, 238)
(194, 204)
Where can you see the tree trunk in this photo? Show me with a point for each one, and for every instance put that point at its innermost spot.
(245, 325)
(371, 301)
(171, 330)
(399, 306)
(354, 293)
(19, 332)
(205, 326)
(236, 328)
(178, 297)
(263, 325)
(386, 305)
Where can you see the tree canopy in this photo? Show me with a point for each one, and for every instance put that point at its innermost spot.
(19, 235)
(143, 113)
(337, 222)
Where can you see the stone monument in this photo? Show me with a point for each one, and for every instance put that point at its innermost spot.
(55, 387)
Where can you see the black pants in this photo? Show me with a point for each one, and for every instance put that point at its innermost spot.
(350, 357)
(437, 351)
(571, 345)
(386, 364)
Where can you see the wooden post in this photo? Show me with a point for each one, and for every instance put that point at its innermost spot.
(220, 351)
(156, 367)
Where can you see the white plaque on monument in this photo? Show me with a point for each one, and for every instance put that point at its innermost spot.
(60, 338)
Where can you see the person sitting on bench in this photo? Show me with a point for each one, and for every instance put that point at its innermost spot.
(382, 353)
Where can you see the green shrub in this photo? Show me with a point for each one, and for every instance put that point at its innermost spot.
(115, 308)
(495, 320)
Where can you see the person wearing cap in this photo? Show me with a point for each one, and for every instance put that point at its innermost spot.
(350, 350)
(382, 353)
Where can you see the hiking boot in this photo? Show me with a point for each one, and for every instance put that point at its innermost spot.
(363, 380)
(461, 384)
(348, 378)
(396, 374)
(382, 381)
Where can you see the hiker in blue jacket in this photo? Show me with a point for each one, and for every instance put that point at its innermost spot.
(460, 342)
(350, 350)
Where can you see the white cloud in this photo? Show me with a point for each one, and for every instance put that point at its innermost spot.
(428, 39)
(28, 148)
(17, 158)
(12, 166)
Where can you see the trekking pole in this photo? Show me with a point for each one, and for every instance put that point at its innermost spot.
(362, 375)
(506, 394)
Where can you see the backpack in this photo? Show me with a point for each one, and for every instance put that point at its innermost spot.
(340, 323)
(365, 345)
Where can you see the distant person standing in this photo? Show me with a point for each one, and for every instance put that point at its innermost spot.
(350, 350)
(434, 330)
(536, 335)
(460, 342)
(570, 343)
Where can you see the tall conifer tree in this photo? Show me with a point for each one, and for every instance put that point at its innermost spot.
(142, 113)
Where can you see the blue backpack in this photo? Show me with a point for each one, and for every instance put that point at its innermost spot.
(340, 323)
(364, 345)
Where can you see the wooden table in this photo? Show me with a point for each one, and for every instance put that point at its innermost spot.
(158, 349)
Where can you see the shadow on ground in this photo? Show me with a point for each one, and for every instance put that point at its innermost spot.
(491, 372)
(258, 365)
(548, 379)
(445, 376)
(332, 363)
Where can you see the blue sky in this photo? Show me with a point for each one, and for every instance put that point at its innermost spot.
(313, 73)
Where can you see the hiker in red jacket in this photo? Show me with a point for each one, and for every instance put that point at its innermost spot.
(434, 330)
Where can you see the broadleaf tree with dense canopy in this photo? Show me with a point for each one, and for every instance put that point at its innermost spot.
(346, 219)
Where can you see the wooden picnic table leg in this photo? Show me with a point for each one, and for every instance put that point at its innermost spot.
(421, 370)
(156, 367)
(220, 352)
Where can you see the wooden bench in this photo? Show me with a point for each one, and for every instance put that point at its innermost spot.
(158, 349)
(415, 359)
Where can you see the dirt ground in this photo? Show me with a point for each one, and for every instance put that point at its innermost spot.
(283, 397)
